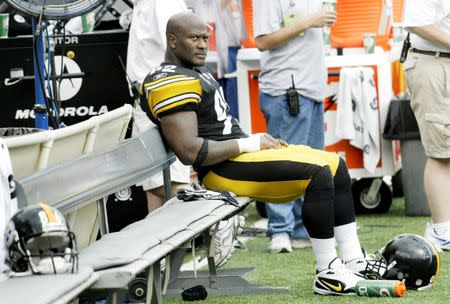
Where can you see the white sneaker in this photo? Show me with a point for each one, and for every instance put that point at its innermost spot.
(358, 266)
(280, 242)
(335, 280)
(300, 243)
(224, 239)
(438, 242)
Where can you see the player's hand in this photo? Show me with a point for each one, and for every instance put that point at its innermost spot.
(269, 142)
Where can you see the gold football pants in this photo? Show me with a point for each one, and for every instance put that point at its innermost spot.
(272, 175)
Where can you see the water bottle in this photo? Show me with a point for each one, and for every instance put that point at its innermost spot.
(380, 288)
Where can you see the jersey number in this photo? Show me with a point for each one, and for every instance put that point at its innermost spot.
(165, 69)
(220, 105)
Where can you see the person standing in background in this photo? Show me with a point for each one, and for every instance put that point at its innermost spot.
(146, 47)
(231, 19)
(427, 70)
(225, 17)
(292, 87)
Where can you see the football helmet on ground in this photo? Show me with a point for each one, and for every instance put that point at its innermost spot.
(39, 241)
(409, 258)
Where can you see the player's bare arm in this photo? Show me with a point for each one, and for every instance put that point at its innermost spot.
(283, 35)
(181, 133)
(431, 33)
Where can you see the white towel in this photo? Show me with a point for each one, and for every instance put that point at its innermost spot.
(8, 201)
(357, 113)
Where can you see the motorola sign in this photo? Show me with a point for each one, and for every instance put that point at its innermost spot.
(80, 112)
(92, 82)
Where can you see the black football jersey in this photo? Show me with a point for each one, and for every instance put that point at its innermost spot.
(170, 88)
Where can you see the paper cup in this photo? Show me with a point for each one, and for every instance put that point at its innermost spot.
(369, 41)
(329, 5)
(4, 25)
(398, 33)
(326, 39)
(88, 22)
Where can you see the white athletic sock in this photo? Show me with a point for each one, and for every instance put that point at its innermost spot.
(442, 229)
(347, 239)
(324, 251)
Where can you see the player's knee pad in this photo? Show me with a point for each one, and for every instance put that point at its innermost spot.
(323, 179)
(341, 176)
(318, 207)
(344, 209)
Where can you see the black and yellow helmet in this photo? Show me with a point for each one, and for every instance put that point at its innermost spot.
(409, 258)
(38, 240)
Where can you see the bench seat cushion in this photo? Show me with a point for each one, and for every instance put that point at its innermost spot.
(131, 242)
(193, 216)
(42, 289)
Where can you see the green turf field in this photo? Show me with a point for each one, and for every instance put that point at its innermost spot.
(296, 270)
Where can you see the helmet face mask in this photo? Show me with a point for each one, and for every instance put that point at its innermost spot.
(39, 241)
(408, 258)
(376, 266)
(50, 254)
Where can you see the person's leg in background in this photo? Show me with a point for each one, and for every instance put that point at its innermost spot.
(315, 140)
(281, 222)
(427, 82)
(284, 220)
(156, 197)
(180, 177)
(231, 88)
(180, 174)
(436, 179)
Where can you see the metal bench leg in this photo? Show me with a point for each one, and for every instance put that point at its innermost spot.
(211, 264)
(103, 215)
(115, 298)
(154, 295)
(167, 184)
(173, 265)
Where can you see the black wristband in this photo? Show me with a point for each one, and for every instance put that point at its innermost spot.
(202, 154)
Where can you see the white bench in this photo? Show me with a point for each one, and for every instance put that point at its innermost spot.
(31, 153)
(36, 151)
(71, 184)
(45, 289)
(119, 257)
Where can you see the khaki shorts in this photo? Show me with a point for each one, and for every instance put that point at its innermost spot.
(428, 79)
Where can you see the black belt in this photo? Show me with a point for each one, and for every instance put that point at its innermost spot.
(431, 53)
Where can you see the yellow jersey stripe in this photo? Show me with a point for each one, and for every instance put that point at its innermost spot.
(175, 104)
(166, 103)
(49, 212)
(164, 81)
(167, 96)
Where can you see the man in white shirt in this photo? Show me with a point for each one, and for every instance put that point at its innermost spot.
(146, 47)
(427, 69)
